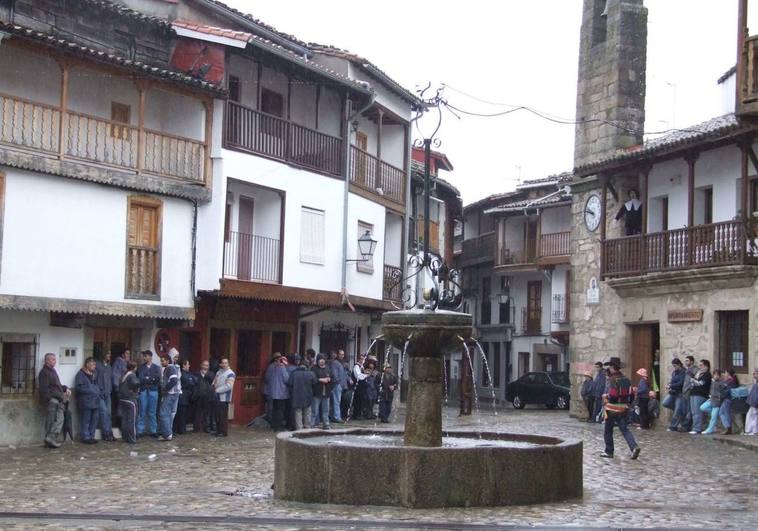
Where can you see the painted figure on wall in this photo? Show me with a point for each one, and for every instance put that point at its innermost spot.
(631, 211)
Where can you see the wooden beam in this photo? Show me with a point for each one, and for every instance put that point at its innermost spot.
(289, 98)
(258, 87)
(746, 149)
(691, 159)
(142, 88)
(742, 29)
(379, 147)
(63, 122)
(208, 166)
(318, 102)
(644, 176)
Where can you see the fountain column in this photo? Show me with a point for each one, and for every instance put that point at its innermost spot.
(423, 420)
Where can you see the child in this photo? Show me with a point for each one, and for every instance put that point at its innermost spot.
(713, 404)
(751, 423)
(643, 398)
(587, 396)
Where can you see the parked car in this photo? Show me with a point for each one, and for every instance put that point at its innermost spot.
(549, 388)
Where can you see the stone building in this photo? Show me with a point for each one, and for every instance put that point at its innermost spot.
(673, 272)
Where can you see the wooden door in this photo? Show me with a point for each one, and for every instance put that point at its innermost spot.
(361, 159)
(530, 241)
(245, 235)
(642, 351)
(534, 307)
(250, 366)
(113, 340)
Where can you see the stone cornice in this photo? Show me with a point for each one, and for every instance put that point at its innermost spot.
(688, 281)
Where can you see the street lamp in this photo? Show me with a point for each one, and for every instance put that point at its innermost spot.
(366, 246)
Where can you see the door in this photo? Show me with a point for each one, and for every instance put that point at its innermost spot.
(534, 307)
(250, 368)
(549, 362)
(113, 340)
(190, 348)
(361, 158)
(245, 235)
(530, 241)
(642, 351)
(523, 364)
(733, 340)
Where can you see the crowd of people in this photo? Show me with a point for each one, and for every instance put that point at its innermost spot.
(151, 400)
(160, 401)
(311, 390)
(698, 397)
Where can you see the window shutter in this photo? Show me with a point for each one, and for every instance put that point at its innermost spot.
(143, 249)
(312, 238)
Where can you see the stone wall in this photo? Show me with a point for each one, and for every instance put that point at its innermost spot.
(611, 82)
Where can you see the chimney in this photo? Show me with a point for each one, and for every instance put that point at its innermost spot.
(611, 81)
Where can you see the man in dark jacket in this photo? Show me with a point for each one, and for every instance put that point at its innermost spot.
(322, 391)
(88, 400)
(387, 388)
(128, 395)
(118, 369)
(301, 393)
(587, 396)
(598, 388)
(149, 375)
(701, 387)
(203, 399)
(617, 397)
(339, 377)
(104, 378)
(186, 400)
(53, 395)
(676, 398)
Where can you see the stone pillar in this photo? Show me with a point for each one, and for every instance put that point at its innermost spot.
(423, 418)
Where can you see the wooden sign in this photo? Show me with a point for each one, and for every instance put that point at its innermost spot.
(685, 316)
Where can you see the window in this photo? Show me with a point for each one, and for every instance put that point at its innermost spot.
(17, 364)
(708, 206)
(367, 266)
(496, 363)
(312, 240)
(234, 88)
(120, 113)
(665, 213)
(67, 356)
(733, 340)
(486, 305)
(227, 222)
(361, 158)
(504, 314)
(143, 252)
(753, 196)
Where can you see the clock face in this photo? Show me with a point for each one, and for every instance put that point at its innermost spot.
(592, 212)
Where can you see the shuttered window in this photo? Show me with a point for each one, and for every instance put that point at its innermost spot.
(143, 248)
(312, 237)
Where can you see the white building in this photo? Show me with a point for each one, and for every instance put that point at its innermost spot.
(100, 178)
(516, 272)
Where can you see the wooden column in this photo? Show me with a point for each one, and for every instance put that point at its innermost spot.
(406, 153)
(63, 122)
(744, 172)
(318, 103)
(691, 158)
(741, 66)
(207, 164)
(379, 147)
(603, 209)
(259, 74)
(644, 175)
(142, 88)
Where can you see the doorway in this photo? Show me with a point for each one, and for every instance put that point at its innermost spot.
(523, 363)
(534, 308)
(113, 340)
(245, 234)
(645, 345)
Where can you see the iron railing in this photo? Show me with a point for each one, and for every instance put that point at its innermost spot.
(251, 257)
(531, 320)
(560, 309)
(393, 283)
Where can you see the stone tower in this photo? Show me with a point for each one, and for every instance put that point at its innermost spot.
(611, 82)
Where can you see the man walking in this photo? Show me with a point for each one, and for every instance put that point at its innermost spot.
(104, 377)
(171, 390)
(617, 396)
(598, 389)
(149, 378)
(339, 377)
(88, 400)
(301, 391)
(53, 395)
(223, 384)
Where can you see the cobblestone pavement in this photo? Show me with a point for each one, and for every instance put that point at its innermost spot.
(679, 481)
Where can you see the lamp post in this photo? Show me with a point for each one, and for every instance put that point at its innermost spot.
(366, 246)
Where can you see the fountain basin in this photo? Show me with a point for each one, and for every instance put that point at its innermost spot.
(371, 467)
(433, 332)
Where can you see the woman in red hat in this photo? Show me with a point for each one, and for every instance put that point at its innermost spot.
(643, 398)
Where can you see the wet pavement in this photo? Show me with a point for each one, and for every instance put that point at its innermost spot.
(198, 481)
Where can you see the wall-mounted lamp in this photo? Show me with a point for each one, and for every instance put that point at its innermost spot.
(366, 246)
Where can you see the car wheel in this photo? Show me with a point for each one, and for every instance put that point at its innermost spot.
(550, 406)
(563, 402)
(517, 403)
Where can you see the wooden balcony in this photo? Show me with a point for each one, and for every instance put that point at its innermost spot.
(703, 246)
(555, 248)
(393, 283)
(479, 250)
(749, 89)
(377, 177)
(45, 129)
(253, 258)
(252, 131)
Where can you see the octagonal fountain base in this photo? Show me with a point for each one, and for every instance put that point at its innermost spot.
(468, 470)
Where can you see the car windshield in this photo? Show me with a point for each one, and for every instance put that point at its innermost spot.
(560, 378)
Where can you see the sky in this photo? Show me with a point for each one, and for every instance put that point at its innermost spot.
(516, 52)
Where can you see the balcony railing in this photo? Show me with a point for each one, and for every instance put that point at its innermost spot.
(531, 320)
(507, 257)
(750, 76)
(479, 249)
(560, 309)
(249, 130)
(556, 244)
(142, 273)
(251, 257)
(712, 245)
(36, 126)
(373, 174)
(393, 283)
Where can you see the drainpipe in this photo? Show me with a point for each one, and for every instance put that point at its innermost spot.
(194, 248)
(346, 195)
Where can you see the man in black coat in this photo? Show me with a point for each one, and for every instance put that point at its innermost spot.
(301, 393)
(54, 396)
(203, 398)
(386, 393)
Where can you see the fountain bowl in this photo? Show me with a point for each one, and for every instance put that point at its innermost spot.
(360, 466)
(433, 333)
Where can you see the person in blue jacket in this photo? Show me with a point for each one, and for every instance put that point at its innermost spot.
(88, 400)
(149, 375)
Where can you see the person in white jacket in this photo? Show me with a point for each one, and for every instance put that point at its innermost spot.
(223, 385)
(359, 396)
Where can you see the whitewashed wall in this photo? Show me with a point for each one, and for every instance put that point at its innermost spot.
(393, 240)
(556, 219)
(67, 239)
(266, 210)
(514, 234)
(358, 282)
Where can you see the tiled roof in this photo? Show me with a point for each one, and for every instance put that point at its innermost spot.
(121, 10)
(101, 56)
(490, 199)
(213, 30)
(368, 66)
(564, 177)
(712, 129)
(514, 206)
(417, 171)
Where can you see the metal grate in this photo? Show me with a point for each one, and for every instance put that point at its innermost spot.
(18, 368)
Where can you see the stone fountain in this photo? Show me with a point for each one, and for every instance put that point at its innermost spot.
(425, 466)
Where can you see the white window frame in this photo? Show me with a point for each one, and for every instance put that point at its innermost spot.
(312, 235)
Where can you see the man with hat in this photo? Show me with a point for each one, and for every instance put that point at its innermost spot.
(643, 398)
(617, 396)
(586, 392)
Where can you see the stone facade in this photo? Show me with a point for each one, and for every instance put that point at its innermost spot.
(611, 83)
